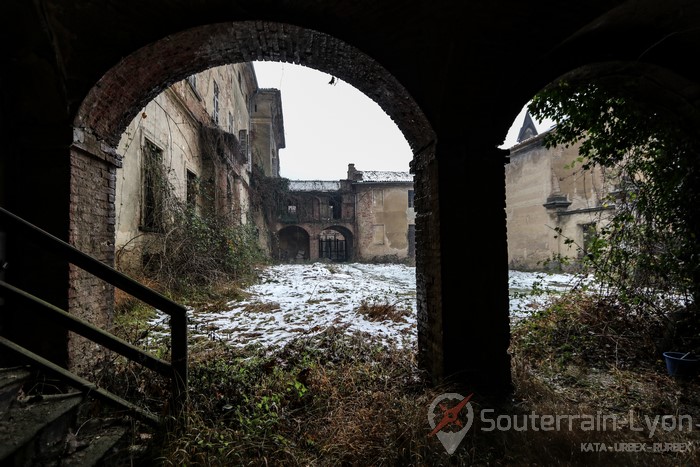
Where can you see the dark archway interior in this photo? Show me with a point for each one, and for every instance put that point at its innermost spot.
(452, 75)
(293, 244)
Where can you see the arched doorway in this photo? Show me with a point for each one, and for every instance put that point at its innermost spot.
(335, 244)
(293, 245)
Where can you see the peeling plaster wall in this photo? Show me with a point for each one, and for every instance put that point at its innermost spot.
(166, 123)
(382, 217)
(534, 175)
(173, 122)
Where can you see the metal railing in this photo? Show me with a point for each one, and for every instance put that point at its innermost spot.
(176, 369)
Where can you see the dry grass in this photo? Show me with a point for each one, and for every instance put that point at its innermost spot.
(261, 307)
(382, 311)
(337, 399)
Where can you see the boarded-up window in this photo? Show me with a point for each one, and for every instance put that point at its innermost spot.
(229, 192)
(216, 103)
(243, 144)
(378, 234)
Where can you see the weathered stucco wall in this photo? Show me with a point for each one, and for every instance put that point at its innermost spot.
(382, 217)
(550, 202)
(166, 123)
(173, 121)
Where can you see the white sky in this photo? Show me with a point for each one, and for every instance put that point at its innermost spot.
(329, 126)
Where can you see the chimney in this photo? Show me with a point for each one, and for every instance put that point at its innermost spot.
(354, 174)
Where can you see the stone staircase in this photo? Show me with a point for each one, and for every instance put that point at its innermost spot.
(46, 423)
(51, 417)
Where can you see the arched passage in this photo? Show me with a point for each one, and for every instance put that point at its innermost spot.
(293, 245)
(60, 51)
(335, 243)
(114, 101)
(554, 222)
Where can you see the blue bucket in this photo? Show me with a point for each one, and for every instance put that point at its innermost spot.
(678, 366)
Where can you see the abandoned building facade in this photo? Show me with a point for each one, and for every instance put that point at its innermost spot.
(195, 146)
(368, 217)
(553, 206)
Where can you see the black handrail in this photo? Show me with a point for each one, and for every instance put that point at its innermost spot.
(79, 383)
(178, 314)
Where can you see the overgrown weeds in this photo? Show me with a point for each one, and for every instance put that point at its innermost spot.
(346, 399)
(330, 399)
(375, 310)
(587, 354)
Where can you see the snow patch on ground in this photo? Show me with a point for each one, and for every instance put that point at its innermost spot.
(293, 300)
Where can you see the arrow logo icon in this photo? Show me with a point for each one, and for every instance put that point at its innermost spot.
(450, 417)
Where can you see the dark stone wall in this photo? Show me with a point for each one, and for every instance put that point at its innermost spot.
(92, 224)
(428, 272)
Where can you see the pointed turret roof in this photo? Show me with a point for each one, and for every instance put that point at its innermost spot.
(528, 130)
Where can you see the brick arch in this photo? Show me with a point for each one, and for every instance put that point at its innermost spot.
(348, 234)
(126, 88)
(293, 240)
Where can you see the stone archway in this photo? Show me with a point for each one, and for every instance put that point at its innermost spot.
(126, 88)
(115, 100)
(61, 54)
(336, 243)
(293, 245)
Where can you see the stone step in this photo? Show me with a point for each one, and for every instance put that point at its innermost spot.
(96, 442)
(45, 423)
(11, 382)
(33, 431)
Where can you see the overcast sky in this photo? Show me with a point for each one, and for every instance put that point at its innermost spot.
(327, 126)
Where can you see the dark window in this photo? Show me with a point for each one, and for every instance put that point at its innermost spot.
(216, 103)
(154, 187)
(336, 206)
(191, 190)
(410, 198)
(411, 240)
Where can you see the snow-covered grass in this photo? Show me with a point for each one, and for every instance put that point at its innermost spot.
(530, 290)
(293, 300)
